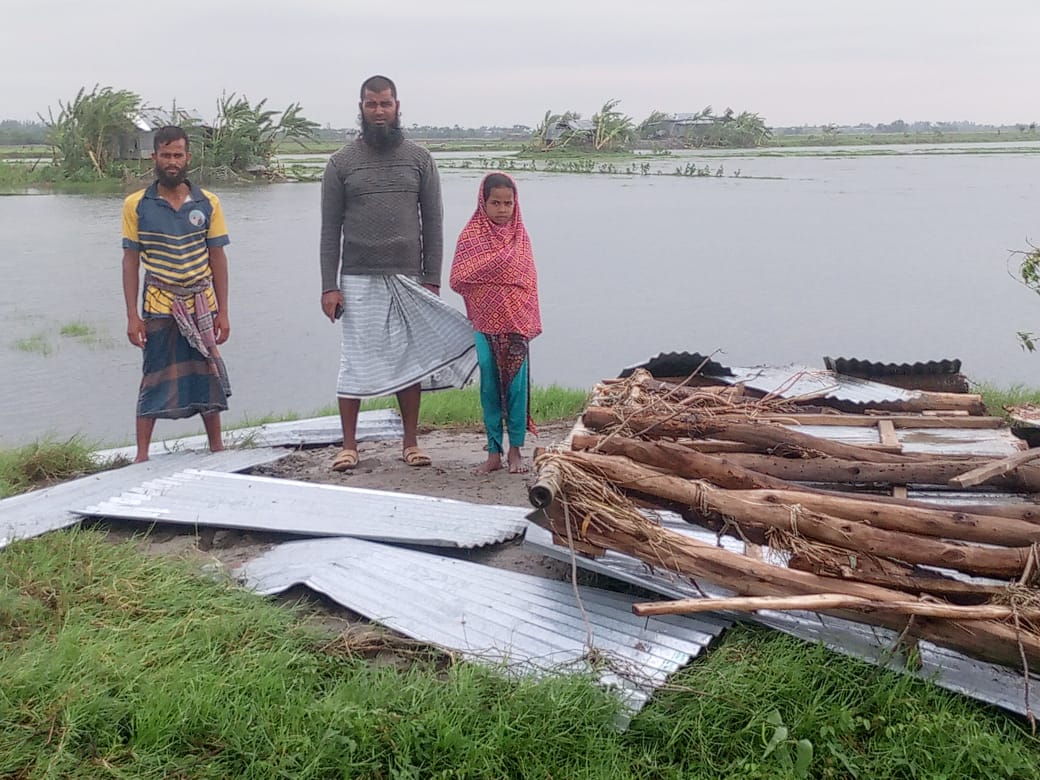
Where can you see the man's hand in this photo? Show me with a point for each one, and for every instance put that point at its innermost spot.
(434, 288)
(330, 300)
(221, 327)
(135, 330)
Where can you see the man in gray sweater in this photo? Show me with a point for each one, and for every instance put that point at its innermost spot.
(381, 252)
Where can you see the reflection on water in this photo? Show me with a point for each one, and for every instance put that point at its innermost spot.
(891, 258)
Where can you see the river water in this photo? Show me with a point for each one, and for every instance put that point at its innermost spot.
(894, 257)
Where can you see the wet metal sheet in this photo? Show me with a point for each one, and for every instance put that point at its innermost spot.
(527, 623)
(373, 425)
(258, 503)
(31, 514)
(954, 671)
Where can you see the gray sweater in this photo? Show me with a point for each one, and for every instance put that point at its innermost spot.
(381, 214)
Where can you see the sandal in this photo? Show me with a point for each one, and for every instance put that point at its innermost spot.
(414, 456)
(345, 460)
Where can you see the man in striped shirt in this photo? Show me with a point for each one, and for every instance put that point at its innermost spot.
(176, 232)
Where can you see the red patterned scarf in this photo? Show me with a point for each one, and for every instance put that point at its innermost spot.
(494, 272)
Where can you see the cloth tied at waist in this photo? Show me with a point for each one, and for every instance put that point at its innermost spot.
(196, 328)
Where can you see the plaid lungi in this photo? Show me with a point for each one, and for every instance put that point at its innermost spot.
(396, 333)
(178, 381)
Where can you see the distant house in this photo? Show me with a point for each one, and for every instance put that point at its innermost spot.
(679, 126)
(579, 130)
(138, 145)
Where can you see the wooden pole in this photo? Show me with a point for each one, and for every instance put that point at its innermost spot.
(921, 472)
(724, 472)
(995, 469)
(828, 601)
(659, 547)
(706, 499)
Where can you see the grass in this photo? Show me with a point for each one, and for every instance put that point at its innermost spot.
(37, 343)
(43, 463)
(79, 330)
(462, 407)
(120, 665)
(996, 398)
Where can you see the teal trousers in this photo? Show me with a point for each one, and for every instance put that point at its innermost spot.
(515, 414)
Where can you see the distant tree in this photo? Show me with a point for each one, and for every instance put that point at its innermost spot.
(647, 127)
(613, 130)
(15, 132)
(86, 133)
(246, 135)
(540, 137)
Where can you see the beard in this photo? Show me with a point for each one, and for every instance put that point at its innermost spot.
(382, 138)
(171, 180)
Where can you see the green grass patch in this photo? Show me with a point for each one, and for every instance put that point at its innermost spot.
(120, 665)
(43, 463)
(78, 330)
(996, 398)
(462, 407)
(37, 343)
(760, 693)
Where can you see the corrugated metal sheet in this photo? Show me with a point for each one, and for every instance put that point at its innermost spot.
(35, 513)
(674, 364)
(954, 671)
(997, 442)
(875, 368)
(308, 509)
(529, 624)
(373, 425)
(793, 381)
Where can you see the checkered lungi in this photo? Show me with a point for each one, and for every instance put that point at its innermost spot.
(396, 333)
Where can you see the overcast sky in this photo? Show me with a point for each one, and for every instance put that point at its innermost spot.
(496, 63)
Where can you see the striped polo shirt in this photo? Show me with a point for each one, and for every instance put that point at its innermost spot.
(174, 244)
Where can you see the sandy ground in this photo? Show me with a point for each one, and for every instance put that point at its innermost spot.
(455, 453)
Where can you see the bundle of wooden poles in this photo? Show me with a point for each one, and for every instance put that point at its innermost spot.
(736, 464)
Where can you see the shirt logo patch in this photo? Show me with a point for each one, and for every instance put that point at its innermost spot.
(196, 218)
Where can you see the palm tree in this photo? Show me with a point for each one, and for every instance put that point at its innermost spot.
(86, 134)
(613, 129)
(646, 127)
(247, 135)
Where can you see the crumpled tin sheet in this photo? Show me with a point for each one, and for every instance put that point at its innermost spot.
(257, 503)
(48, 509)
(954, 671)
(375, 425)
(528, 624)
(794, 381)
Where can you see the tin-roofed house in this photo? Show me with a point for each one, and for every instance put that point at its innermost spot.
(138, 145)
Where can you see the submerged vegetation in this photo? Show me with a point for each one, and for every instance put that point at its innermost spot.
(37, 343)
(79, 330)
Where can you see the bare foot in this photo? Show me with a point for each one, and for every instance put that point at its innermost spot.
(141, 459)
(516, 461)
(217, 449)
(493, 463)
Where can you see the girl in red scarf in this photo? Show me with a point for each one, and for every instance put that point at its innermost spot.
(494, 272)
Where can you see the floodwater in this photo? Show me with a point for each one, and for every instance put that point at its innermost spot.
(888, 258)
